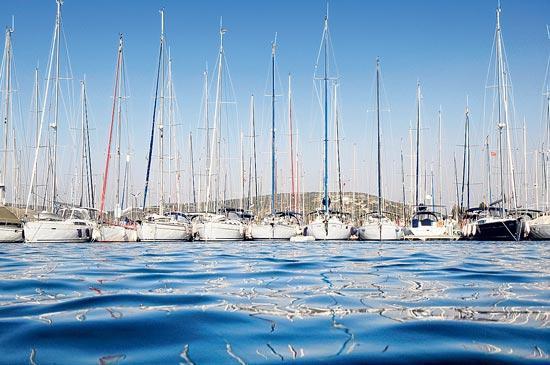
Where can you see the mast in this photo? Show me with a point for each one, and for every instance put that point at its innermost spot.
(151, 141)
(47, 88)
(293, 205)
(217, 119)
(503, 115)
(325, 81)
(207, 129)
(82, 145)
(489, 190)
(354, 181)
(89, 174)
(7, 59)
(37, 116)
(417, 188)
(253, 125)
(161, 119)
(273, 167)
(192, 171)
(379, 160)
(338, 162)
(56, 103)
(403, 181)
(525, 164)
(113, 111)
(439, 170)
(241, 203)
(466, 161)
(536, 185)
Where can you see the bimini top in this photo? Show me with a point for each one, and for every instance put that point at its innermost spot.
(7, 217)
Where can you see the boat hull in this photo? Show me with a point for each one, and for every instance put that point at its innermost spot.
(380, 232)
(273, 231)
(11, 233)
(219, 231)
(57, 231)
(114, 233)
(163, 231)
(539, 231)
(499, 230)
(331, 231)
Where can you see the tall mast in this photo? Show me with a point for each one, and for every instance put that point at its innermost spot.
(161, 119)
(417, 187)
(192, 171)
(354, 181)
(217, 119)
(273, 167)
(439, 170)
(42, 115)
(82, 183)
(113, 111)
(151, 141)
(489, 189)
(403, 180)
(379, 161)
(37, 116)
(292, 157)
(241, 159)
(466, 161)
(338, 163)
(325, 81)
(253, 127)
(525, 164)
(7, 59)
(207, 129)
(56, 103)
(503, 113)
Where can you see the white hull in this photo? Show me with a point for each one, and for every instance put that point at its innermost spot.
(273, 231)
(164, 231)
(425, 233)
(219, 231)
(114, 233)
(333, 230)
(57, 231)
(385, 231)
(9, 233)
(539, 231)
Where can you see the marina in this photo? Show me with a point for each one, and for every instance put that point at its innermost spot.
(161, 205)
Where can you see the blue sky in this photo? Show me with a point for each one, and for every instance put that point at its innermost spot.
(444, 44)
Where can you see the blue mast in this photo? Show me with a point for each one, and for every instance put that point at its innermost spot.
(325, 79)
(273, 184)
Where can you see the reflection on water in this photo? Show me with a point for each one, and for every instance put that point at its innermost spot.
(248, 302)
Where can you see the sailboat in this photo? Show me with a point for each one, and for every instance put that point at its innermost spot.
(325, 223)
(114, 229)
(216, 224)
(539, 228)
(500, 223)
(280, 225)
(378, 225)
(172, 226)
(11, 228)
(47, 226)
(426, 224)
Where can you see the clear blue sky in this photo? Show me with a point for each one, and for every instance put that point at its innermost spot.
(444, 44)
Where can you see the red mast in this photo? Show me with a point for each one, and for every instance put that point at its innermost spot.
(115, 97)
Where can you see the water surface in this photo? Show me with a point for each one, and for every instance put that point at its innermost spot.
(273, 302)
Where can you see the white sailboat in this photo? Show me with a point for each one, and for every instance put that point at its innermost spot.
(114, 229)
(326, 224)
(11, 228)
(277, 225)
(378, 226)
(427, 224)
(539, 228)
(217, 224)
(170, 226)
(47, 226)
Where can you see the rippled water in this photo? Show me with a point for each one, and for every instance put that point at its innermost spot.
(250, 302)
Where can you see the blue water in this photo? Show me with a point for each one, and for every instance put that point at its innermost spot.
(267, 303)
